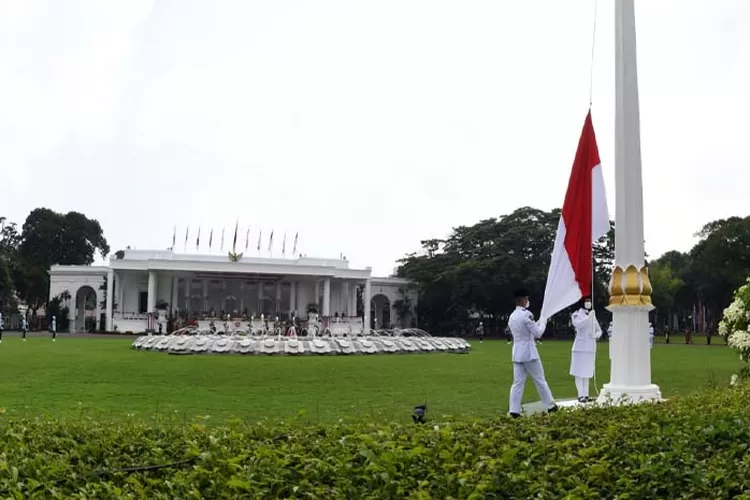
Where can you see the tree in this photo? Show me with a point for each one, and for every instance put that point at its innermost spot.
(403, 306)
(477, 268)
(49, 238)
(68, 239)
(666, 284)
(56, 308)
(9, 240)
(719, 263)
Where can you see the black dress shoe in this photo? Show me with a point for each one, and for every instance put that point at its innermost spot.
(553, 409)
(515, 415)
(583, 399)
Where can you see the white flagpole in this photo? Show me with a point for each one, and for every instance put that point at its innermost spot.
(630, 368)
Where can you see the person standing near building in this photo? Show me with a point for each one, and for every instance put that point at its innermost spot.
(480, 332)
(525, 356)
(53, 327)
(24, 326)
(583, 355)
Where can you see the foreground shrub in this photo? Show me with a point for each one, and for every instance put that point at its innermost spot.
(735, 326)
(695, 447)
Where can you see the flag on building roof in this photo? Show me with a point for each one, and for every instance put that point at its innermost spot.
(222, 239)
(247, 239)
(283, 246)
(584, 220)
(198, 239)
(234, 240)
(210, 239)
(294, 248)
(174, 237)
(260, 237)
(187, 230)
(270, 241)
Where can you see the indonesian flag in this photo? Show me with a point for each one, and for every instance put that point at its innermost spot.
(584, 220)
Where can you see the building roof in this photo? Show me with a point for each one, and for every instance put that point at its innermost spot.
(170, 261)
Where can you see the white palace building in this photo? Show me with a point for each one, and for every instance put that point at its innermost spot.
(143, 285)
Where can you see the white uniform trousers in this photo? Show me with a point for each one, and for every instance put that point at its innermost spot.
(536, 371)
(582, 386)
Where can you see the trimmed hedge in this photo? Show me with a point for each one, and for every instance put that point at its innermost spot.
(694, 447)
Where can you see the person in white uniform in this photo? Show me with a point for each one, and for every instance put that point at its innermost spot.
(583, 356)
(525, 356)
(650, 335)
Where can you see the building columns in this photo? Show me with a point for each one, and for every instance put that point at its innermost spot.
(174, 298)
(327, 298)
(110, 299)
(352, 301)
(259, 303)
(366, 299)
(293, 298)
(118, 290)
(120, 282)
(188, 290)
(345, 298)
(151, 302)
(204, 296)
(278, 297)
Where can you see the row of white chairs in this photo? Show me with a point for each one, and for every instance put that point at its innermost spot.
(223, 344)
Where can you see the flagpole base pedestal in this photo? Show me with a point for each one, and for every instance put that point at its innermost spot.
(628, 394)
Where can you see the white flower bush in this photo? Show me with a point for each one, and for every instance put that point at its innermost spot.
(735, 326)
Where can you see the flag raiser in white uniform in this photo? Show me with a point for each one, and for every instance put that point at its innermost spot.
(583, 352)
(525, 356)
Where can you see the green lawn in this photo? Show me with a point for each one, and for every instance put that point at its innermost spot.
(107, 379)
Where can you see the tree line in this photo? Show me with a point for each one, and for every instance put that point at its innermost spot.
(27, 252)
(471, 275)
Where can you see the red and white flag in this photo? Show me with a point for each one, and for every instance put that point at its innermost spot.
(584, 220)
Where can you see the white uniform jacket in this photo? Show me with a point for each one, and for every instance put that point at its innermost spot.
(525, 331)
(588, 331)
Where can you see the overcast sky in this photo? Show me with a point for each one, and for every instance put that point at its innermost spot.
(367, 126)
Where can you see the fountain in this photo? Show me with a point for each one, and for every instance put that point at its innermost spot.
(314, 339)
